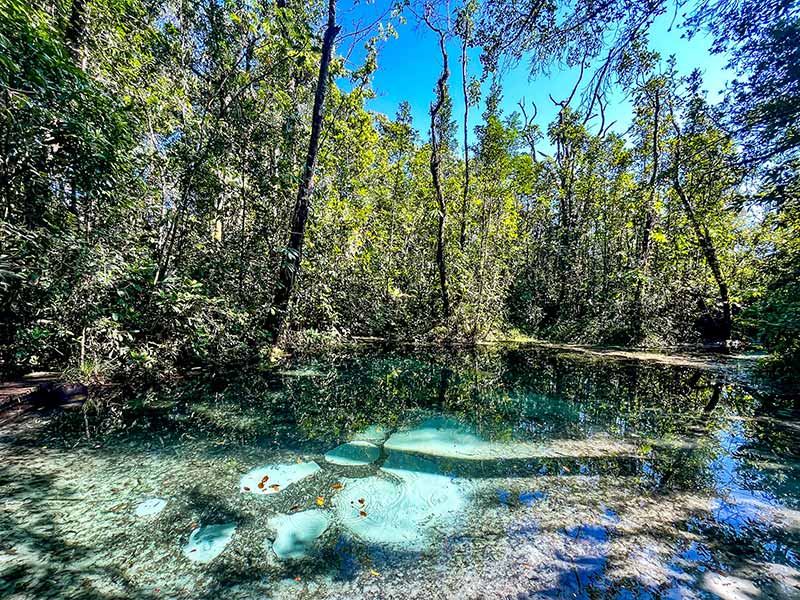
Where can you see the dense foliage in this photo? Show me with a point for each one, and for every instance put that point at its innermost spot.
(156, 160)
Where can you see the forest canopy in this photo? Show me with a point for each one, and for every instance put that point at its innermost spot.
(191, 182)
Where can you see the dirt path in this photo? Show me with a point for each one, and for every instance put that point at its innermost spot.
(21, 387)
(15, 396)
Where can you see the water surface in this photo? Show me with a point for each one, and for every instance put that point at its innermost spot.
(502, 472)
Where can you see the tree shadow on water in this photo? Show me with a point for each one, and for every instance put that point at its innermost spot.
(40, 560)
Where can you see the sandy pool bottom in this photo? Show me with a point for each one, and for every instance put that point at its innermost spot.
(69, 529)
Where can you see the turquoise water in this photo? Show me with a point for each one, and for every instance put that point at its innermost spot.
(502, 472)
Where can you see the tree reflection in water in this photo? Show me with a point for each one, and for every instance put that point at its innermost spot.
(586, 477)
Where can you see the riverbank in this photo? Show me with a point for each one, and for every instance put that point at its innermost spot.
(690, 356)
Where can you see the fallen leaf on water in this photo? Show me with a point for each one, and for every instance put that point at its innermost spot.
(363, 513)
(337, 486)
(320, 500)
(275, 487)
(374, 573)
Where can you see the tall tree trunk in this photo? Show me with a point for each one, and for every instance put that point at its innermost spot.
(649, 218)
(243, 233)
(389, 271)
(710, 254)
(75, 33)
(486, 215)
(291, 262)
(435, 165)
(465, 194)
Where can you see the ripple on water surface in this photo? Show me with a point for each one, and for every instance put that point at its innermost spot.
(403, 506)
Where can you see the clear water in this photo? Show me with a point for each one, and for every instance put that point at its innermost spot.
(506, 472)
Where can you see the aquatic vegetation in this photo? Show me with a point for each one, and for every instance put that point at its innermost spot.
(356, 453)
(297, 532)
(150, 507)
(271, 479)
(208, 542)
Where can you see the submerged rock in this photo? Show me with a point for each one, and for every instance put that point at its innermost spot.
(296, 533)
(206, 543)
(272, 479)
(354, 453)
(403, 506)
(150, 507)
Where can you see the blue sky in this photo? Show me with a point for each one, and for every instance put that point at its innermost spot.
(409, 66)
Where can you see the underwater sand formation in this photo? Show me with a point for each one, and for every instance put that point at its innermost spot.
(296, 533)
(272, 479)
(401, 506)
(206, 543)
(375, 434)
(441, 437)
(150, 507)
(354, 453)
(447, 438)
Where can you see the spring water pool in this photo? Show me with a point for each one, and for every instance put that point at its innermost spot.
(502, 472)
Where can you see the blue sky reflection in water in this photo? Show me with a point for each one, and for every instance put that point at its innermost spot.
(504, 472)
